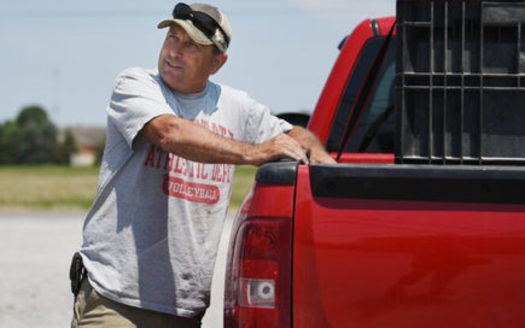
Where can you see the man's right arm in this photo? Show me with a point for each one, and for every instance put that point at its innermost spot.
(196, 143)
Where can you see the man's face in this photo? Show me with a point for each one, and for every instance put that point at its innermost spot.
(185, 65)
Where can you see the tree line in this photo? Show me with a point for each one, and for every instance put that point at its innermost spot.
(33, 139)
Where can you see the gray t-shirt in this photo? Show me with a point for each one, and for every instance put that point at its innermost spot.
(151, 236)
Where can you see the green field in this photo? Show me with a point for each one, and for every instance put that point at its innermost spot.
(36, 188)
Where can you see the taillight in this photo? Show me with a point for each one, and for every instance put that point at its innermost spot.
(258, 287)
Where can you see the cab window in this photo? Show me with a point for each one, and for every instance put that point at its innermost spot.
(375, 130)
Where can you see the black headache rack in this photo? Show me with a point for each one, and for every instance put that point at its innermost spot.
(460, 82)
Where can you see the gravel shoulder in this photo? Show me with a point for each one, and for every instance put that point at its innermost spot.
(35, 252)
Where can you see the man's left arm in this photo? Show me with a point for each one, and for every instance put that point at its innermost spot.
(311, 145)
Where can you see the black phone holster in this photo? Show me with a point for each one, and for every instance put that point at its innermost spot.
(76, 273)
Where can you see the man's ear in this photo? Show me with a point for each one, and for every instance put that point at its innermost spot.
(218, 61)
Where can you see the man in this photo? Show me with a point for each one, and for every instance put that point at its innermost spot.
(151, 236)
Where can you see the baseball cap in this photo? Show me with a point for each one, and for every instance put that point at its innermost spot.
(205, 24)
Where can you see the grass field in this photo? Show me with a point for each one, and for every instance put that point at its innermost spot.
(37, 188)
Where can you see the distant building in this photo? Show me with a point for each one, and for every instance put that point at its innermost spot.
(87, 139)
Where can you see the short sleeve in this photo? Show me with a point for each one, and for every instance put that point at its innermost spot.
(261, 125)
(137, 98)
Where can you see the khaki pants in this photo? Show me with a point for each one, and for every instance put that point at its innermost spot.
(91, 310)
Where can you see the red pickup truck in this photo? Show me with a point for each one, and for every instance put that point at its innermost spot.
(422, 221)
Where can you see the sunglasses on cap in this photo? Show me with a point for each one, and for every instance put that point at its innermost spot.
(205, 23)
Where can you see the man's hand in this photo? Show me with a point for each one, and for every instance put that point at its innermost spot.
(311, 145)
(320, 156)
(281, 146)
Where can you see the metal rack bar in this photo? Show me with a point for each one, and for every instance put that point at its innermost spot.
(481, 70)
(431, 93)
(445, 70)
(462, 92)
(518, 48)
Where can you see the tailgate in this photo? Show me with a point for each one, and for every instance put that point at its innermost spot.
(409, 246)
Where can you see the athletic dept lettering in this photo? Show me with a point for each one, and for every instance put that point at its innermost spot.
(178, 169)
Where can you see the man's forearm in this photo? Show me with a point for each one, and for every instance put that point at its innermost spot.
(196, 143)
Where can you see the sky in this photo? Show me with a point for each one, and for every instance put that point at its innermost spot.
(64, 55)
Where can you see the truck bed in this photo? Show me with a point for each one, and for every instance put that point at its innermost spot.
(395, 246)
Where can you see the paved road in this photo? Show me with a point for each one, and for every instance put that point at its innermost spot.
(35, 251)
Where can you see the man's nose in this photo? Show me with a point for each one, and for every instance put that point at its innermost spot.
(176, 49)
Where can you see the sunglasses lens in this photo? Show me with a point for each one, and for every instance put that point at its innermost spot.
(204, 23)
(182, 10)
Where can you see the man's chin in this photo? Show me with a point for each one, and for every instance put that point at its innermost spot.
(169, 79)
